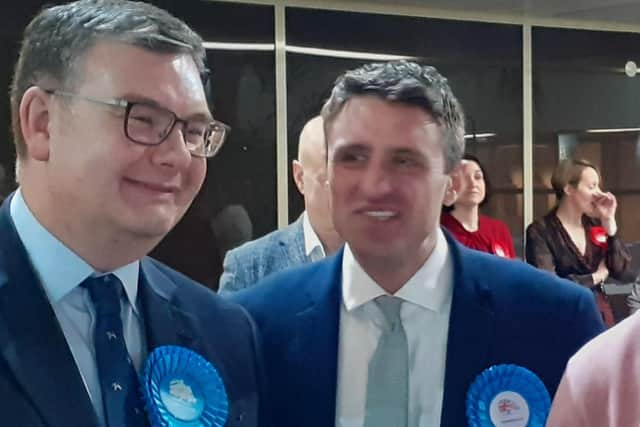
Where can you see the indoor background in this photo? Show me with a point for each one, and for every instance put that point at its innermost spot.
(539, 81)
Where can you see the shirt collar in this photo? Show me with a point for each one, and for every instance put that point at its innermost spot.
(429, 287)
(59, 269)
(311, 239)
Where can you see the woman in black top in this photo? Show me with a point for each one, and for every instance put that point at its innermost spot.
(577, 238)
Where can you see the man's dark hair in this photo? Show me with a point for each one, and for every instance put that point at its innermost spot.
(56, 41)
(408, 83)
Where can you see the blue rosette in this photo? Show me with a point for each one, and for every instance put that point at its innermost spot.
(507, 395)
(180, 388)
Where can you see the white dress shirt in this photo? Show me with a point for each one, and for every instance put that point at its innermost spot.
(425, 317)
(61, 271)
(312, 245)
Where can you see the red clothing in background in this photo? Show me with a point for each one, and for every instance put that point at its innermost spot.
(492, 236)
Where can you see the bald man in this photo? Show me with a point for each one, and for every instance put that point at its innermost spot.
(310, 238)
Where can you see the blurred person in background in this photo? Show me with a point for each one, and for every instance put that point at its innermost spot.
(577, 239)
(310, 238)
(463, 218)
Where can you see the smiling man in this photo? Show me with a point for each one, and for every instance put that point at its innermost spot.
(112, 131)
(393, 330)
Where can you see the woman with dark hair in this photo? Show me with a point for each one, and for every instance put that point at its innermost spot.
(577, 238)
(463, 218)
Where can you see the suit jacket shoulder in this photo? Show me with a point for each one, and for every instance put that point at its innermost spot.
(532, 308)
(297, 314)
(278, 250)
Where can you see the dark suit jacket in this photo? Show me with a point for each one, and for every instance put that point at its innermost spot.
(276, 251)
(40, 384)
(503, 311)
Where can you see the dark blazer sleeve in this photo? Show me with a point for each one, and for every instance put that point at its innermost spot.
(264, 414)
(587, 320)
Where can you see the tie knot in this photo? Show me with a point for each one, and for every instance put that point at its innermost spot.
(390, 306)
(104, 292)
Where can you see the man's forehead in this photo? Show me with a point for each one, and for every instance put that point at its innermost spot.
(127, 70)
(116, 52)
(369, 112)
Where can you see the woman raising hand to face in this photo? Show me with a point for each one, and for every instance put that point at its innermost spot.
(577, 239)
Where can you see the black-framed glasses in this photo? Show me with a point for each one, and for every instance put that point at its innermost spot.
(149, 124)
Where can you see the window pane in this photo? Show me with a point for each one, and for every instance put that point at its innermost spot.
(580, 86)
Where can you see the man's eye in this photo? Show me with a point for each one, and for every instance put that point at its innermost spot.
(143, 119)
(350, 157)
(405, 161)
(197, 131)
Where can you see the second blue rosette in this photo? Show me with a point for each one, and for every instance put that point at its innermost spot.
(507, 395)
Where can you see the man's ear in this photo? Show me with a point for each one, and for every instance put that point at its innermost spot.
(298, 173)
(34, 122)
(454, 186)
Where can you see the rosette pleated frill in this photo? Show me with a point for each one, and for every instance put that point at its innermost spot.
(182, 389)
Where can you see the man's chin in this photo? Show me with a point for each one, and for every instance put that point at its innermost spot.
(152, 229)
(373, 250)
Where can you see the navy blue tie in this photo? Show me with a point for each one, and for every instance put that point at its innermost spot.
(118, 379)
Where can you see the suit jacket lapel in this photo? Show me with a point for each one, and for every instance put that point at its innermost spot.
(315, 346)
(470, 336)
(31, 340)
(165, 322)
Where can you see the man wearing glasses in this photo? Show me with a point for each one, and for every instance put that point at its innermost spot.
(112, 132)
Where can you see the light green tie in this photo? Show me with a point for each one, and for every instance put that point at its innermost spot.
(388, 378)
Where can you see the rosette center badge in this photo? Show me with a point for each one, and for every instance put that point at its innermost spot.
(181, 400)
(509, 409)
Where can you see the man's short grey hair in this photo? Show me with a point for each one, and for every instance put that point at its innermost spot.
(408, 83)
(57, 39)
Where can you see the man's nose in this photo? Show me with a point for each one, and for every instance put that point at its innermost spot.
(377, 181)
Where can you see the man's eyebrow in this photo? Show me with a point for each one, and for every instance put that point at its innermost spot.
(352, 145)
(133, 97)
(410, 151)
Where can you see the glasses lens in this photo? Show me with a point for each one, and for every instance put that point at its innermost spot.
(216, 136)
(147, 124)
(195, 136)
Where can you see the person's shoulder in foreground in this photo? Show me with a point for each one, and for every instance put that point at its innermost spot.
(600, 387)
